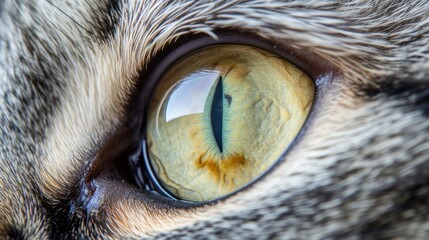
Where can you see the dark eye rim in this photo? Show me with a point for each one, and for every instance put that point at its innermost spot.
(316, 67)
(183, 46)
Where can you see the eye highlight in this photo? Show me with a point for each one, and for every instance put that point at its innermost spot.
(221, 116)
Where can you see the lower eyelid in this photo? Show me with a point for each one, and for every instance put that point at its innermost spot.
(123, 205)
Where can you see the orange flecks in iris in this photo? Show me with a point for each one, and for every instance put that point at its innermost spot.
(224, 170)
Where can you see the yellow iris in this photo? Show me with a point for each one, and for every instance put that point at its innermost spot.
(221, 116)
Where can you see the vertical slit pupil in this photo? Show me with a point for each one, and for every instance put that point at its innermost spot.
(217, 113)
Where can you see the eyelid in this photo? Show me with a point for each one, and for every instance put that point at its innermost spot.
(306, 60)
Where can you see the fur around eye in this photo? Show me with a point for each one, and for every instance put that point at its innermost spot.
(77, 79)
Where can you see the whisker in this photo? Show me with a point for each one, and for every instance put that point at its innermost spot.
(71, 18)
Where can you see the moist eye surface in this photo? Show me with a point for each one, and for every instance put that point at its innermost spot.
(221, 116)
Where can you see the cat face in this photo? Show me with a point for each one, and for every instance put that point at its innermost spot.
(75, 77)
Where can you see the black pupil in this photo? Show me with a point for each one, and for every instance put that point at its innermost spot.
(217, 113)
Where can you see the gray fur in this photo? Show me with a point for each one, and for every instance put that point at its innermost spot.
(68, 70)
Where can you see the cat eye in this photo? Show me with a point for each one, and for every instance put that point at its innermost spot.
(221, 116)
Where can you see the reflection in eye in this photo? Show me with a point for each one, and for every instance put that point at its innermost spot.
(221, 117)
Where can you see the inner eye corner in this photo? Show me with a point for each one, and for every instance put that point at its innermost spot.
(214, 95)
